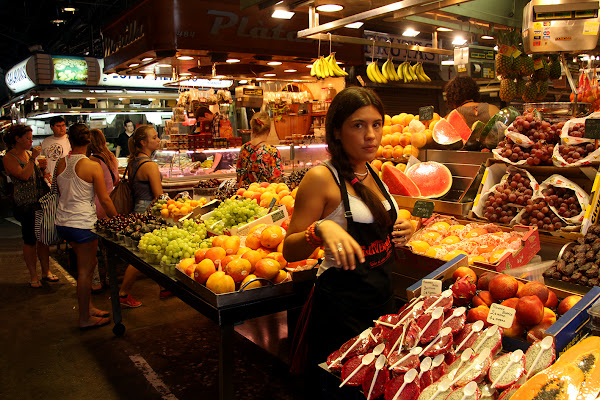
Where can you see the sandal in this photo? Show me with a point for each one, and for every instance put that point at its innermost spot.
(100, 322)
(35, 284)
(50, 278)
(100, 314)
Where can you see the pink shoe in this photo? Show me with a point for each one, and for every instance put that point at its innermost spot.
(164, 294)
(128, 301)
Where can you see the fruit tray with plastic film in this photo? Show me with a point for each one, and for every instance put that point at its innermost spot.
(568, 328)
(237, 297)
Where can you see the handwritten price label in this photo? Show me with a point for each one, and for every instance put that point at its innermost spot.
(501, 315)
(431, 287)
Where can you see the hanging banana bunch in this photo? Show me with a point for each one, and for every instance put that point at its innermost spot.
(389, 71)
(374, 74)
(324, 67)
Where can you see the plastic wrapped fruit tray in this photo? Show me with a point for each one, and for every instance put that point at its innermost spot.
(234, 298)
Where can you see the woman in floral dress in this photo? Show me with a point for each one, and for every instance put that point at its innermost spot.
(259, 161)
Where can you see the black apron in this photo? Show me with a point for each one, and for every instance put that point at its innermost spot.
(346, 302)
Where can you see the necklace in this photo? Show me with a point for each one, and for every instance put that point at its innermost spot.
(361, 175)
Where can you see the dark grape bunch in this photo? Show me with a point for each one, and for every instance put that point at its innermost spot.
(577, 130)
(539, 214)
(501, 206)
(573, 153)
(208, 183)
(537, 130)
(564, 200)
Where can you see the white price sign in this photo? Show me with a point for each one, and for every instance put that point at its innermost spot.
(431, 287)
(501, 315)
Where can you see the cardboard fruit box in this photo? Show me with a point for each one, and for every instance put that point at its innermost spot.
(568, 328)
(587, 177)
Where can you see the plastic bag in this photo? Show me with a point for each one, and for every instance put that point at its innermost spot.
(559, 181)
(530, 272)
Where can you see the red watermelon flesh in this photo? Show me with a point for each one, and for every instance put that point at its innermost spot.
(458, 122)
(383, 376)
(411, 391)
(398, 183)
(432, 178)
(446, 135)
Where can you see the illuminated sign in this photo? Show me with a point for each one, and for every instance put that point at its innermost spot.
(18, 79)
(70, 70)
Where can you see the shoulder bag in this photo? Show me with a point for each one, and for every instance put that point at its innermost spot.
(45, 217)
(122, 196)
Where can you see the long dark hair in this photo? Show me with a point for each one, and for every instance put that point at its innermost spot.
(343, 105)
(98, 147)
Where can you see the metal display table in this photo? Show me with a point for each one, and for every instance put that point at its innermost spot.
(225, 317)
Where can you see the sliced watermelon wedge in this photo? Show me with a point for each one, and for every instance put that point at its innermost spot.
(398, 183)
(445, 136)
(459, 124)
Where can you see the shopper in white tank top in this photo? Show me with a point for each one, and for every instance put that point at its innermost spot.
(79, 181)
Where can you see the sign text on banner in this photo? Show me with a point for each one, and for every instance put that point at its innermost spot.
(400, 54)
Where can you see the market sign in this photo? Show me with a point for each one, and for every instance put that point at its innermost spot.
(21, 77)
(399, 55)
(70, 70)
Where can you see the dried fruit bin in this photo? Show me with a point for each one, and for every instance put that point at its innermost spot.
(567, 330)
(559, 283)
(234, 298)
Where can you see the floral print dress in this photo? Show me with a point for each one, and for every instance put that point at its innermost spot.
(260, 163)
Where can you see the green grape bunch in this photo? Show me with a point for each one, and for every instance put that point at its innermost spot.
(233, 213)
(174, 243)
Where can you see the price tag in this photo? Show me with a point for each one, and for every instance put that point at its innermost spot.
(431, 287)
(505, 50)
(423, 209)
(592, 128)
(538, 64)
(426, 113)
(501, 315)
(515, 52)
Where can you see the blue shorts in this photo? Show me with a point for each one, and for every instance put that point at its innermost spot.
(77, 235)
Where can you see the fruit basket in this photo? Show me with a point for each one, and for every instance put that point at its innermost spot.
(234, 298)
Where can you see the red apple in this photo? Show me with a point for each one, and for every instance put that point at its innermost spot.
(503, 287)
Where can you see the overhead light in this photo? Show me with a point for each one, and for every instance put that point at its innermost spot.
(309, 66)
(146, 59)
(232, 60)
(495, 48)
(487, 37)
(243, 81)
(185, 58)
(89, 98)
(147, 72)
(459, 41)
(448, 62)
(259, 79)
(69, 9)
(410, 32)
(58, 21)
(185, 74)
(219, 76)
(442, 29)
(163, 65)
(282, 14)
(133, 65)
(270, 75)
(290, 70)
(330, 8)
(274, 63)
(355, 25)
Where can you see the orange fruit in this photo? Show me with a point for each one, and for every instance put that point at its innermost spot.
(164, 213)
(267, 268)
(277, 256)
(411, 150)
(386, 130)
(215, 253)
(405, 139)
(378, 154)
(376, 164)
(387, 120)
(397, 119)
(255, 284)
(401, 166)
(203, 270)
(218, 240)
(231, 244)
(387, 151)
(418, 140)
(219, 282)
(238, 269)
(385, 140)
(253, 241)
(263, 251)
(398, 152)
(395, 139)
(397, 128)
(281, 276)
(253, 256)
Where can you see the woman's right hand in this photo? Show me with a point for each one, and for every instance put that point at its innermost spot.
(36, 151)
(344, 248)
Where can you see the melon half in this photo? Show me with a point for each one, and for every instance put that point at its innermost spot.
(459, 124)
(445, 136)
(398, 183)
(432, 178)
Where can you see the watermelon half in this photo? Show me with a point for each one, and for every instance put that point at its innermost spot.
(445, 136)
(459, 124)
(398, 183)
(432, 178)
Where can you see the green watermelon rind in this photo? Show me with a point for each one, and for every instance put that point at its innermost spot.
(442, 167)
(507, 115)
(457, 144)
(393, 177)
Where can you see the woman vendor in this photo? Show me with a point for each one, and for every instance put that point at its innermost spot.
(462, 94)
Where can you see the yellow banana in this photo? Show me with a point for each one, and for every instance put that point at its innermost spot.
(382, 79)
(321, 69)
(411, 71)
(423, 74)
(335, 67)
(370, 73)
(392, 71)
(325, 66)
(407, 75)
(313, 69)
(385, 71)
(400, 72)
(417, 73)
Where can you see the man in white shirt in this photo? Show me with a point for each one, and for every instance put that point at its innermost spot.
(56, 146)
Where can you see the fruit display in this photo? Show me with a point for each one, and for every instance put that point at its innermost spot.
(404, 135)
(170, 244)
(444, 238)
(294, 178)
(398, 183)
(515, 190)
(324, 67)
(587, 91)
(208, 183)
(580, 262)
(575, 149)
(575, 375)
(231, 262)
(131, 225)
(430, 350)
(487, 136)
(227, 189)
(565, 198)
(388, 72)
(175, 209)
(234, 213)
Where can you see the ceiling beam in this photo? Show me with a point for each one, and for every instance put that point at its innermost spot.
(379, 43)
(455, 26)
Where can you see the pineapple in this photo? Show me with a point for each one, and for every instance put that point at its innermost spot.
(543, 73)
(508, 90)
(542, 90)
(504, 64)
(526, 65)
(555, 70)
(520, 87)
(530, 92)
(518, 65)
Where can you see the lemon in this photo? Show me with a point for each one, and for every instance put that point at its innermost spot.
(453, 254)
(440, 225)
(450, 240)
(419, 246)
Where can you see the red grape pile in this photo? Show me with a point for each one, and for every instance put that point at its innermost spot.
(572, 153)
(577, 130)
(564, 200)
(501, 206)
(539, 214)
(537, 130)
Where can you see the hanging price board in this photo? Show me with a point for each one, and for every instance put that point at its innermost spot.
(423, 209)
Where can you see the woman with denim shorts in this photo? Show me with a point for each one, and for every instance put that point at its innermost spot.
(146, 186)
(80, 180)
